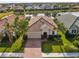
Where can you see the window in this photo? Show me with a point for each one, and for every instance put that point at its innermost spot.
(73, 31)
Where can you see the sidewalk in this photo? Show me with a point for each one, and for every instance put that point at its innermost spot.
(11, 54)
(60, 54)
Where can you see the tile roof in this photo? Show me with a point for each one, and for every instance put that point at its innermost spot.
(67, 19)
(37, 18)
(77, 23)
(73, 13)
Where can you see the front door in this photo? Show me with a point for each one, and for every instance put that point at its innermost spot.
(44, 35)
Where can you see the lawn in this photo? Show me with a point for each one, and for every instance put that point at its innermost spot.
(17, 46)
(64, 40)
(47, 47)
(67, 46)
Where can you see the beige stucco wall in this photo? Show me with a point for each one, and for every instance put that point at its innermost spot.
(36, 27)
(35, 30)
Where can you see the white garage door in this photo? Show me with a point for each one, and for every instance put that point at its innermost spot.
(34, 35)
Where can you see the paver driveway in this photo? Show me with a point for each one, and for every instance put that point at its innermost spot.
(32, 48)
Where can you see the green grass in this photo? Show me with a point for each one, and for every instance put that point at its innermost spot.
(56, 48)
(2, 49)
(49, 47)
(64, 40)
(17, 46)
(46, 47)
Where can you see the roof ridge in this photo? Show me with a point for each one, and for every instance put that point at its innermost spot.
(47, 19)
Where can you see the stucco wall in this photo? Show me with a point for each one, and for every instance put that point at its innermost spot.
(36, 27)
(35, 30)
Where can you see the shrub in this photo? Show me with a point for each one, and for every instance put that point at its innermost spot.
(51, 38)
(16, 47)
(76, 43)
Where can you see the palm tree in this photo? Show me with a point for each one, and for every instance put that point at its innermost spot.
(1, 37)
(21, 26)
(8, 30)
(16, 27)
(24, 9)
(10, 35)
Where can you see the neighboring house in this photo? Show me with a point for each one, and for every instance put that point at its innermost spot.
(3, 9)
(70, 21)
(29, 15)
(41, 14)
(41, 25)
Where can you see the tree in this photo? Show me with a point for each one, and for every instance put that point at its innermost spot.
(1, 37)
(24, 9)
(8, 30)
(19, 28)
(23, 26)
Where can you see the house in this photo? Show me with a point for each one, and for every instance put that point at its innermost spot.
(70, 21)
(41, 25)
(29, 15)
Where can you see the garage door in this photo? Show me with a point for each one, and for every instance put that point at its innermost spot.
(34, 35)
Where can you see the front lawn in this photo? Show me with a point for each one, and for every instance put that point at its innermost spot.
(17, 46)
(67, 46)
(48, 47)
(64, 39)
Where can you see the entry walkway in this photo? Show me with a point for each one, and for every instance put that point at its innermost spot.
(33, 48)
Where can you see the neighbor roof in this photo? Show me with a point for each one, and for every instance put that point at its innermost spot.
(37, 18)
(77, 23)
(68, 18)
(73, 13)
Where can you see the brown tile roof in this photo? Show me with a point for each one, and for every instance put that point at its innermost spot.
(46, 18)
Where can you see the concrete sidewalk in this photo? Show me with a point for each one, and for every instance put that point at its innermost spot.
(60, 55)
(6, 54)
